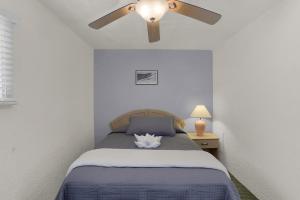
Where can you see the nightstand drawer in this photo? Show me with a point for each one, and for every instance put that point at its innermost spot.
(208, 144)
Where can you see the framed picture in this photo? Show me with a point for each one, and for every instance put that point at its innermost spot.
(146, 77)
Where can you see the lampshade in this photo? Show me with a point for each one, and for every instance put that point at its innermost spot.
(152, 10)
(200, 112)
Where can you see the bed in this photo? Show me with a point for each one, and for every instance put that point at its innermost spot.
(139, 182)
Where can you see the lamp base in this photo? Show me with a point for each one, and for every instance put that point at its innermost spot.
(200, 127)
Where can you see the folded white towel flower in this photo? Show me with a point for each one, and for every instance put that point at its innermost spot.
(148, 141)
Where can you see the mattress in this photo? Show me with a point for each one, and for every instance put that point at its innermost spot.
(102, 183)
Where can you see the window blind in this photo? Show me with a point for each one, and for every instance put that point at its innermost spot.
(6, 60)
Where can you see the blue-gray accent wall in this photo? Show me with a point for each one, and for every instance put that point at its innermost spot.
(185, 80)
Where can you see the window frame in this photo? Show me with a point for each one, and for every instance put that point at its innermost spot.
(12, 22)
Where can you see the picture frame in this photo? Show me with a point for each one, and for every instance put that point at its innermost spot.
(146, 77)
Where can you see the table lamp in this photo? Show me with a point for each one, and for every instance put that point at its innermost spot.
(200, 112)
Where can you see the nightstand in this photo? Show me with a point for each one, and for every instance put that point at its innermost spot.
(208, 142)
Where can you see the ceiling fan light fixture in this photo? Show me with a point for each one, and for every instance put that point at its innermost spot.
(152, 10)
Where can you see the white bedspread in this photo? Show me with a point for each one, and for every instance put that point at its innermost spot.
(148, 158)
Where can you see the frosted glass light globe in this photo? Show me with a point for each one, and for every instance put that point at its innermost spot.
(152, 10)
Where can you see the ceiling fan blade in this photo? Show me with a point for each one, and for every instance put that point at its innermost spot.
(195, 12)
(109, 18)
(153, 31)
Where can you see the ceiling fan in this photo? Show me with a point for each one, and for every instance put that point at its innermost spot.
(153, 10)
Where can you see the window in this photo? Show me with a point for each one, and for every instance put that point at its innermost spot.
(6, 60)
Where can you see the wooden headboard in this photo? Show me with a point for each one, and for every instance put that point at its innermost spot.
(123, 120)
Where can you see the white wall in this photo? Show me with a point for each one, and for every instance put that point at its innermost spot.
(256, 103)
(53, 120)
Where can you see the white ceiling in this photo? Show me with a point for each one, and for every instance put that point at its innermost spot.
(177, 31)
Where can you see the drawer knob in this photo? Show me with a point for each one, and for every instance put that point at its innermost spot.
(204, 143)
